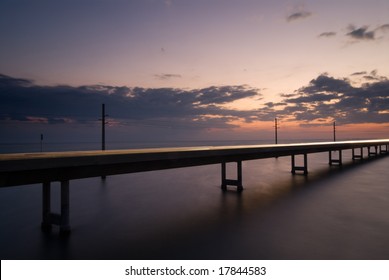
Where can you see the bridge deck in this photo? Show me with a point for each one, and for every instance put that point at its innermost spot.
(22, 169)
(29, 168)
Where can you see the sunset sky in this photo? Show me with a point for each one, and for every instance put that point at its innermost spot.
(215, 69)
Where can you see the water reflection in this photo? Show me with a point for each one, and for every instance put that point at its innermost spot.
(333, 213)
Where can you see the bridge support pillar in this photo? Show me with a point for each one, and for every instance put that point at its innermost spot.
(355, 156)
(300, 168)
(383, 150)
(64, 226)
(49, 218)
(370, 153)
(46, 206)
(335, 161)
(229, 182)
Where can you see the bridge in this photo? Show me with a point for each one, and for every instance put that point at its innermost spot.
(45, 168)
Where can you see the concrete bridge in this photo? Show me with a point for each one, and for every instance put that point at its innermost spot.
(44, 168)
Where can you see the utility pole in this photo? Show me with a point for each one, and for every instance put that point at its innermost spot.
(276, 126)
(103, 123)
(334, 132)
(41, 142)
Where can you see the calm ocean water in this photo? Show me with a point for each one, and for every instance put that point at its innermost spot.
(333, 213)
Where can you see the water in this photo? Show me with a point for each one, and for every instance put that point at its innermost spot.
(333, 213)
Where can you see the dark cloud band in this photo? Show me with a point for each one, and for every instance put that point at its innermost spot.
(324, 98)
(24, 101)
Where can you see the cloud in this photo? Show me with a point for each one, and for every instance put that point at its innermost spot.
(372, 76)
(360, 33)
(33, 119)
(325, 84)
(383, 28)
(359, 73)
(287, 95)
(298, 16)
(24, 101)
(167, 76)
(327, 98)
(272, 104)
(223, 94)
(7, 81)
(323, 99)
(327, 34)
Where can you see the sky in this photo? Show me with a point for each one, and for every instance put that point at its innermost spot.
(180, 69)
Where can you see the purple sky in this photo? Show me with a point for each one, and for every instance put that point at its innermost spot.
(261, 58)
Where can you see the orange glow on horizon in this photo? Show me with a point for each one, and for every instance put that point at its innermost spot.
(298, 130)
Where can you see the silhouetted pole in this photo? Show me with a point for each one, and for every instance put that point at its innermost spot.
(103, 123)
(334, 132)
(276, 130)
(41, 142)
(103, 127)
